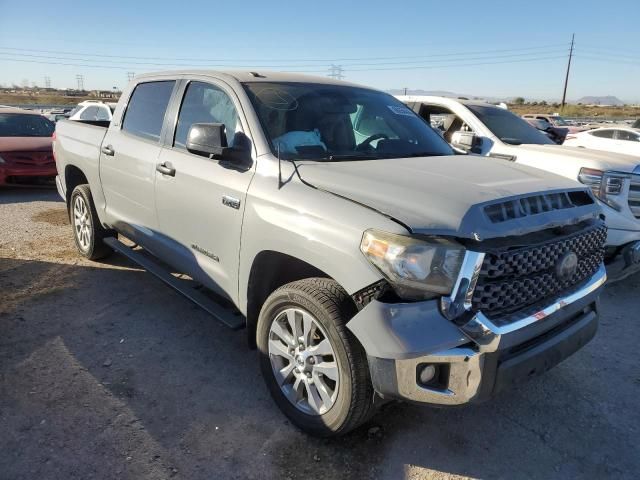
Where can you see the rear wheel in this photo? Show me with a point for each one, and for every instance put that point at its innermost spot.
(87, 230)
(315, 369)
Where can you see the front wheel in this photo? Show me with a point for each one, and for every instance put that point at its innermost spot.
(314, 367)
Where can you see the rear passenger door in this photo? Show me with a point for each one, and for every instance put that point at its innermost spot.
(200, 204)
(129, 157)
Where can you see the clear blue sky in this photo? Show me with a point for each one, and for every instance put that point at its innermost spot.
(498, 48)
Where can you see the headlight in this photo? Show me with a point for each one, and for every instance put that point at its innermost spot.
(604, 185)
(417, 269)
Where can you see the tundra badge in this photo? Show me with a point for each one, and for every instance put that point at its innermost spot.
(230, 202)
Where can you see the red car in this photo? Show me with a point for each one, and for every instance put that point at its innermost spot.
(25, 147)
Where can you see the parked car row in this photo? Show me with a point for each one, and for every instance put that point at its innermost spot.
(369, 257)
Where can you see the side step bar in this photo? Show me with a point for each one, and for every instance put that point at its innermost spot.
(230, 318)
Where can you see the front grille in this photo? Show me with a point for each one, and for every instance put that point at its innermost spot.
(535, 204)
(511, 280)
(634, 195)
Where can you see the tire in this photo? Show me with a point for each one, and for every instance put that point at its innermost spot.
(88, 232)
(345, 403)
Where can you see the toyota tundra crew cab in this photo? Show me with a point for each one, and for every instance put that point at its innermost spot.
(365, 259)
(492, 131)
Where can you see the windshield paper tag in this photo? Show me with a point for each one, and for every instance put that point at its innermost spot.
(400, 110)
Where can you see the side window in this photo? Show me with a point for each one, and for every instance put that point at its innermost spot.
(89, 113)
(626, 135)
(603, 133)
(145, 113)
(205, 103)
(102, 114)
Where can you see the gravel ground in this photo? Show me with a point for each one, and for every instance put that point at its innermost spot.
(107, 373)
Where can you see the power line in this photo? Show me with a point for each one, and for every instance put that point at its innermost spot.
(418, 67)
(263, 60)
(47, 82)
(412, 62)
(80, 80)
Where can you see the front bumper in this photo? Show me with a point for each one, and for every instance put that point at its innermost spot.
(477, 357)
(25, 174)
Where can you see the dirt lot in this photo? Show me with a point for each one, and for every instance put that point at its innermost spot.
(107, 373)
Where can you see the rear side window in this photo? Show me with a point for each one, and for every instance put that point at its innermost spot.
(603, 133)
(102, 114)
(145, 113)
(90, 113)
(626, 135)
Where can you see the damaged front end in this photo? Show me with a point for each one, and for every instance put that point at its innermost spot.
(521, 302)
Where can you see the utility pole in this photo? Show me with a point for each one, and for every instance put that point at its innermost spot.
(80, 80)
(130, 76)
(405, 91)
(566, 78)
(335, 71)
(47, 82)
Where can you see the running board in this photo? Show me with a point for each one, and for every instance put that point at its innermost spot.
(230, 318)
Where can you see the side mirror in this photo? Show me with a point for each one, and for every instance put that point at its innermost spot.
(210, 140)
(467, 141)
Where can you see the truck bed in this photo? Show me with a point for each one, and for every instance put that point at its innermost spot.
(78, 143)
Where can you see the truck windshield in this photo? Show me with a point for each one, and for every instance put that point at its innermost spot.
(508, 127)
(25, 125)
(339, 122)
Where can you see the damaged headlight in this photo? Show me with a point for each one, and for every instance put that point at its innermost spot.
(416, 269)
(604, 185)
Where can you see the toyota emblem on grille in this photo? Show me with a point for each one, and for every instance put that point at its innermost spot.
(567, 266)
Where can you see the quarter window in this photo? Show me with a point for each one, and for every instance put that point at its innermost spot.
(205, 103)
(145, 114)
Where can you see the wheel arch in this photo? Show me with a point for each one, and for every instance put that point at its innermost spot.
(73, 177)
(270, 270)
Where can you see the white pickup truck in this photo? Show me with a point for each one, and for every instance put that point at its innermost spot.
(492, 131)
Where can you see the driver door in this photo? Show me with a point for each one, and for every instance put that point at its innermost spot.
(200, 203)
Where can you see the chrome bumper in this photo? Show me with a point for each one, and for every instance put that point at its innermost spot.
(498, 352)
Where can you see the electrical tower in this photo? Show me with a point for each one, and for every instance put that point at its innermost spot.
(130, 76)
(47, 82)
(336, 71)
(80, 80)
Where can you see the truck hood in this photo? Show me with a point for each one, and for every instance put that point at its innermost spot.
(433, 194)
(583, 157)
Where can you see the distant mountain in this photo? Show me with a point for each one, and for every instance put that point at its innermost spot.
(605, 100)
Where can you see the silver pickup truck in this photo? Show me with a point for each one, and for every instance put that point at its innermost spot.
(366, 261)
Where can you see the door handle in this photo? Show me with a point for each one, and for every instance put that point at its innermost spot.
(108, 150)
(166, 169)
